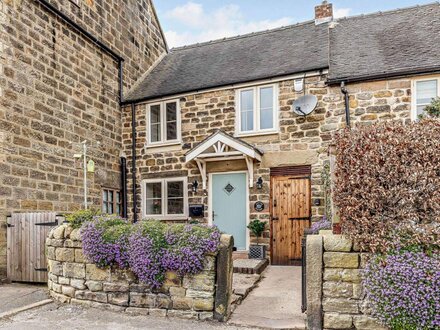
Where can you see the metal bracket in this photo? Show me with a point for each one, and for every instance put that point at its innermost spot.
(9, 225)
(48, 224)
(40, 269)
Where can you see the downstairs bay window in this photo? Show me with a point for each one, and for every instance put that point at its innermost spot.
(164, 199)
(257, 110)
(163, 123)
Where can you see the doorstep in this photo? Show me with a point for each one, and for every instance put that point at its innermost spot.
(250, 266)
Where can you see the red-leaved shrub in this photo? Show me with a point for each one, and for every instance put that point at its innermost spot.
(387, 184)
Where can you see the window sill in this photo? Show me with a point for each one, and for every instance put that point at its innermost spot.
(162, 144)
(166, 217)
(256, 133)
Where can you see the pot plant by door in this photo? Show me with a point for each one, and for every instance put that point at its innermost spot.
(257, 251)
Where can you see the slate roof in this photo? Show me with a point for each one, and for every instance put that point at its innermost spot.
(394, 42)
(288, 50)
(403, 41)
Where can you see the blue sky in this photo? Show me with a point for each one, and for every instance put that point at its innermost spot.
(190, 21)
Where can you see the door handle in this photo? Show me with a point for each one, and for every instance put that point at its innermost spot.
(213, 216)
(275, 218)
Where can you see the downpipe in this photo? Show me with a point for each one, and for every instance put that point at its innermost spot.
(347, 104)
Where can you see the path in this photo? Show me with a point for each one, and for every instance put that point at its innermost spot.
(17, 295)
(275, 303)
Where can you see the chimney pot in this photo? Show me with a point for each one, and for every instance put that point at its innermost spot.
(323, 13)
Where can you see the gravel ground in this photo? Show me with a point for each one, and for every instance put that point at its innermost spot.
(58, 317)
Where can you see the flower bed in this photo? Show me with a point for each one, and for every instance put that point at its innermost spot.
(146, 268)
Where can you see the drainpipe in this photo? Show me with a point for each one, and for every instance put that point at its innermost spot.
(133, 160)
(347, 104)
(124, 184)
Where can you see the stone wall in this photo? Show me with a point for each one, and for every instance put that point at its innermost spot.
(343, 304)
(57, 88)
(73, 280)
(300, 141)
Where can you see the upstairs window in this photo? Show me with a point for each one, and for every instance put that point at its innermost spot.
(425, 91)
(163, 123)
(165, 198)
(257, 111)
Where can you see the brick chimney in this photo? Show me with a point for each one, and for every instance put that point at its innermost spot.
(323, 13)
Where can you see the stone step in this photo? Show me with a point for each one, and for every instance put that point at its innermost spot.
(250, 266)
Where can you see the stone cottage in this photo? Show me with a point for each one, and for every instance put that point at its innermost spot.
(209, 132)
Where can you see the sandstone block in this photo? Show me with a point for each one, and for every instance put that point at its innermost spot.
(78, 284)
(337, 243)
(172, 279)
(94, 285)
(58, 232)
(341, 260)
(118, 298)
(63, 280)
(163, 301)
(95, 273)
(55, 267)
(341, 274)
(50, 252)
(142, 299)
(337, 321)
(199, 294)
(116, 287)
(363, 322)
(75, 235)
(74, 270)
(57, 287)
(142, 288)
(59, 297)
(205, 316)
(177, 291)
(138, 311)
(204, 281)
(89, 295)
(340, 305)
(203, 304)
(337, 289)
(122, 275)
(68, 291)
(182, 303)
(209, 263)
(79, 256)
(63, 254)
(189, 315)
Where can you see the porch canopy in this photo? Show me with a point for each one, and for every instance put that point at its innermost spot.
(221, 146)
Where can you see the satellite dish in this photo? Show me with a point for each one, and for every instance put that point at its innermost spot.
(304, 105)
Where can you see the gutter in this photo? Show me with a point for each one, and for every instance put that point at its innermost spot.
(118, 58)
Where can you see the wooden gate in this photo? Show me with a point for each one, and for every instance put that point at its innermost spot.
(26, 237)
(290, 215)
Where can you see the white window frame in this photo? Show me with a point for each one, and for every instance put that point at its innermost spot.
(414, 94)
(164, 188)
(257, 110)
(163, 125)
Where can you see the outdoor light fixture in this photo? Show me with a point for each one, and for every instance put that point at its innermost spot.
(259, 183)
(195, 184)
(298, 85)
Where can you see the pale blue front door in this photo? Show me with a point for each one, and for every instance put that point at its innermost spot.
(229, 202)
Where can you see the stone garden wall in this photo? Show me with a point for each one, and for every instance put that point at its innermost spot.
(73, 280)
(334, 267)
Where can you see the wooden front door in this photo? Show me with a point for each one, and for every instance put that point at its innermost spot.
(290, 215)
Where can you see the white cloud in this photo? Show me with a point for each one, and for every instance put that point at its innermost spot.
(223, 22)
(341, 12)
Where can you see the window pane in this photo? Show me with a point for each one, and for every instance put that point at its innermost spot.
(175, 189)
(104, 207)
(171, 119)
(118, 197)
(155, 123)
(247, 110)
(110, 208)
(426, 91)
(175, 206)
(118, 209)
(266, 108)
(104, 196)
(154, 198)
(110, 196)
(154, 190)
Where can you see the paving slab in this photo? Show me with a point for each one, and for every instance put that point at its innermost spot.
(275, 303)
(250, 266)
(16, 295)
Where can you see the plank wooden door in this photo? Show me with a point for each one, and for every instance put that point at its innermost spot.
(290, 215)
(26, 237)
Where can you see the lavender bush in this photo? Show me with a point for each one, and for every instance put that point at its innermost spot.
(404, 289)
(149, 248)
